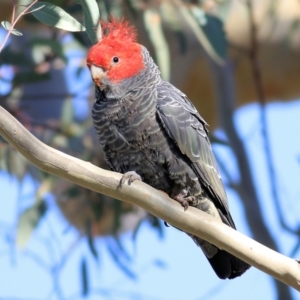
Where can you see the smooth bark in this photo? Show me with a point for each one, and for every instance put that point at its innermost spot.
(156, 202)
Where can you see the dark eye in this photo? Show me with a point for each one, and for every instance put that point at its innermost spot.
(116, 59)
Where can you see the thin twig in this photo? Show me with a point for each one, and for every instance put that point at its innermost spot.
(14, 21)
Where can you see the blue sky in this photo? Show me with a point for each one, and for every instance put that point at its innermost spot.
(169, 268)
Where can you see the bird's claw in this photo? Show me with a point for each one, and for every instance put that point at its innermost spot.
(184, 199)
(131, 176)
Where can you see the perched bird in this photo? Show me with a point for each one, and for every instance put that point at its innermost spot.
(149, 130)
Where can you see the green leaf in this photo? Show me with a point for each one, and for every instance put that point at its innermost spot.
(213, 29)
(7, 26)
(28, 221)
(35, 9)
(154, 27)
(91, 18)
(204, 38)
(55, 16)
(84, 277)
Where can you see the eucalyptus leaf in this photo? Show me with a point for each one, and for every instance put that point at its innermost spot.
(28, 221)
(203, 38)
(7, 25)
(55, 16)
(213, 29)
(153, 25)
(91, 18)
(35, 9)
(16, 32)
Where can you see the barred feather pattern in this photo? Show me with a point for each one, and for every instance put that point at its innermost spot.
(146, 125)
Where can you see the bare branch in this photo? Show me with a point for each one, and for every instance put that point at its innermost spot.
(157, 203)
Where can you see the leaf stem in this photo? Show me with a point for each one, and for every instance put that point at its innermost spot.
(14, 21)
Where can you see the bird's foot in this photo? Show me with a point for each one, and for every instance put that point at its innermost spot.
(184, 199)
(131, 176)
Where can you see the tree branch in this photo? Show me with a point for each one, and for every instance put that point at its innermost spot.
(156, 202)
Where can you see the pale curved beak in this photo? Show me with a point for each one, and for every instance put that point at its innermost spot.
(97, 74)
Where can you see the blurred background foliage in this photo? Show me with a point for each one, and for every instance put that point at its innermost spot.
(222, 53)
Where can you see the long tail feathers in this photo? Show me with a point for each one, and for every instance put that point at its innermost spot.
(227, 266)
(224, 264)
